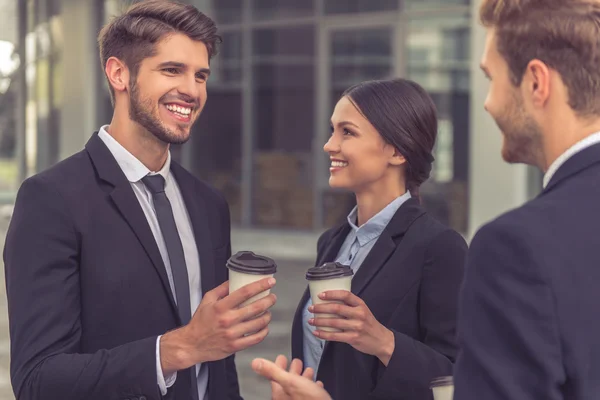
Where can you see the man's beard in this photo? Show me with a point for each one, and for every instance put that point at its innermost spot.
(522, 134)
(141, 112)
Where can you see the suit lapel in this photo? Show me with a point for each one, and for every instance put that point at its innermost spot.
(386, 244)
(196, 207)
(128, 205)
(335, 243)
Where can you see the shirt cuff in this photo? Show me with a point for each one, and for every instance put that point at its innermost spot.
(164, 382)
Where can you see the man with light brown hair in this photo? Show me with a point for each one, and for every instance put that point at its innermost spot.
(115, 257)
(528, 326)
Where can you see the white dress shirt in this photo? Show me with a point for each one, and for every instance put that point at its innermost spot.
(134, 170)
(571, 151)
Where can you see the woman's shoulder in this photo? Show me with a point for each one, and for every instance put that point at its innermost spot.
(435, 233)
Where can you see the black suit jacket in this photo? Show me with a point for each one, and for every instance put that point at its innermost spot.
(88, 292)
(528, 323)
(410, 282)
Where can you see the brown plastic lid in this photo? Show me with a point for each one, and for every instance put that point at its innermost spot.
(442, 381)
(247, 262)
(328, 271)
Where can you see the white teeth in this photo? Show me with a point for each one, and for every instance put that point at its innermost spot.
(178, 109)
(338, 164)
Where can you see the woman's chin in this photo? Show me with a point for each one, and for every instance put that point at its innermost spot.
(337, 183)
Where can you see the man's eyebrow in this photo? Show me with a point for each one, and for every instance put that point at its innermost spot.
(176, 64)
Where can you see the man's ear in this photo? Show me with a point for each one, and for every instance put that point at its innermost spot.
(117, 74)
(536, 82)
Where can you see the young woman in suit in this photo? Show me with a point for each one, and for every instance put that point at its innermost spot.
(398, 322)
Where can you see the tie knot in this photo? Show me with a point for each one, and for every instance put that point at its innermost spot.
(156, 183)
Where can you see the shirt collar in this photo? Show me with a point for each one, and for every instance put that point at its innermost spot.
(133, 168)
(576, 148)
(374, 227)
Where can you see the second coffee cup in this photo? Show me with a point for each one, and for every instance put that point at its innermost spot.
(329, 276)
(245, 267)
(443, 388)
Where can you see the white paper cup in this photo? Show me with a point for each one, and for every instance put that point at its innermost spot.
(245, 267)
(329, 276)
(239, 279)
(316, 287)
(443, 388)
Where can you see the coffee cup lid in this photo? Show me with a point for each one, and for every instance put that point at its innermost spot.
(328, 271)
(442, 381)
(249, 263)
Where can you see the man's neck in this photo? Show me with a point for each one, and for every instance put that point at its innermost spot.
(142, 144)
(562, 138)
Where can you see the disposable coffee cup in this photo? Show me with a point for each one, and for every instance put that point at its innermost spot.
(245, 267)
(329, 276)
(443, 388)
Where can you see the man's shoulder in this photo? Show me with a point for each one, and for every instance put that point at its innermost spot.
(69, 171)
(521, 224)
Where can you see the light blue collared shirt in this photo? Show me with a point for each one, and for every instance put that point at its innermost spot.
(135, 170)
(354, 250)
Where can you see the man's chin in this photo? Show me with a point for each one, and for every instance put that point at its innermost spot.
(173, 136)
(178, 139)
(508, 155)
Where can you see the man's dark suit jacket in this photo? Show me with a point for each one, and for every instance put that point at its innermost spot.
(528, 320)
(410, 282)
(88, 292)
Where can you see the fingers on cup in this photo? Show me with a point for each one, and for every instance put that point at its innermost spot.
(250, 290)
(251, 340)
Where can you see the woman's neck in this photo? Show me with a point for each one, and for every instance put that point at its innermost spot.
(371, 202)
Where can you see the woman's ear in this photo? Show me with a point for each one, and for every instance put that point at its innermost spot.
(397, 158)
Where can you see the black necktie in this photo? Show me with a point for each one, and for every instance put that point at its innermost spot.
(166, 221)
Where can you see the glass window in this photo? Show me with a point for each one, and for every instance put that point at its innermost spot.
(270, 9)
(356, 56)
(438, 54)
(358, 6)
(227, 11)
(433, 4)
(216, 145)
(359, 55)
(297, 41)
(284, 98)
(217, 137)
(228, 63)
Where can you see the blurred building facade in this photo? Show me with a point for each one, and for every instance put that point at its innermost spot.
(282, 67)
